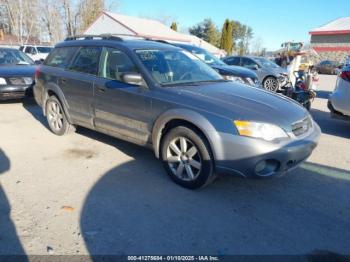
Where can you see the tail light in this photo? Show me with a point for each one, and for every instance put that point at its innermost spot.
(345, 75)
(37, 72)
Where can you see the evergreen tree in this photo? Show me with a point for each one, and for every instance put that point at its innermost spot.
(174, 26)
(226, 42)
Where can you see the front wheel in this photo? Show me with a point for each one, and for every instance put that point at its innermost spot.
(187, 158)
(56, 117)
(271, 84)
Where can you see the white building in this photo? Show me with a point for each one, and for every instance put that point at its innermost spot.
(111, 23)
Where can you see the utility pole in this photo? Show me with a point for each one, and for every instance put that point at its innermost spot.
(21, 21)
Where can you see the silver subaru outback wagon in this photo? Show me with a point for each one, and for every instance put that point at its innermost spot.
(163, 97)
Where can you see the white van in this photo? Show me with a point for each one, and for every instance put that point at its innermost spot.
(37, 53)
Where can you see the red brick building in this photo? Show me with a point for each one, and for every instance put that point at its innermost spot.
(332, 41)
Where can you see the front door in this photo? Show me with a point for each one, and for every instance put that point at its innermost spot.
(120, 108)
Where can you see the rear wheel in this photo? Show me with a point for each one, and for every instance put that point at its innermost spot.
(187, 158)
(56, 117)
(271, 84)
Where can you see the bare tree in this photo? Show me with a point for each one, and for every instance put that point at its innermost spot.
(89, 10)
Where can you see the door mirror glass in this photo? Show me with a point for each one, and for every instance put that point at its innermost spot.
(134, 79)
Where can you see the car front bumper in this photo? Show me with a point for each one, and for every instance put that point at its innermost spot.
(250, 157)
(15, 92)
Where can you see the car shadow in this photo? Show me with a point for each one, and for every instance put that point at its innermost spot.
(9, 240)
(32, 107)
(331, 126)
(135, 209)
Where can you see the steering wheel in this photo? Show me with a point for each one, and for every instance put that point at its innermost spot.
(184, 75)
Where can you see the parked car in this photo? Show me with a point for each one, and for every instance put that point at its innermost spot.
(163, 97)
(339, 100)
(37, 53)
(16, 74)
(328, 67)
(272, 76)
(233, 73)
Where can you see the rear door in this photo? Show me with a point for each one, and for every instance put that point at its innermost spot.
(77, 84)
(120, 108)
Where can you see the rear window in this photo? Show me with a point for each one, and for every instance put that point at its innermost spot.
(60, 57)
(42, 49)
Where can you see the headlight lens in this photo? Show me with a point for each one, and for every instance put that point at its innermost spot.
(234, 78)
(3, 81)
(268, 132)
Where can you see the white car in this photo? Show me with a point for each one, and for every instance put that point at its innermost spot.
(339, 100)
(35, 52)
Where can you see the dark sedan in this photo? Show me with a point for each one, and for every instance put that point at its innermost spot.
(17, 72)
(328, 67)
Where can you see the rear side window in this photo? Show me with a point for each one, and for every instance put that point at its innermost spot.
(60, 57)
(87, 60)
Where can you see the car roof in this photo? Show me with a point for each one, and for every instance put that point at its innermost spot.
(128, 44)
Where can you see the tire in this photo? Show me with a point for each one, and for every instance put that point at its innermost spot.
(56, 118)
(270, 83)
(187, 158)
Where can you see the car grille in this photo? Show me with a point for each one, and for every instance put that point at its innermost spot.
(301, 127)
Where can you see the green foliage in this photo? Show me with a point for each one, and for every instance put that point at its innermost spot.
(242, 34)
(207, 31)
(226, 42)
(174, 26)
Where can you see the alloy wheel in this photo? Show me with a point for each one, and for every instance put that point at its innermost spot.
(271, 84)
(184, 159)
(55, 116)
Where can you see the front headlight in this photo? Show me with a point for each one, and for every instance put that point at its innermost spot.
(268, 132)
(234, 78)
(3, 81)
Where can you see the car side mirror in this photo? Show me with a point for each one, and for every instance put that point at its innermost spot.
(134, 79)
(254, 67)
(38, 62)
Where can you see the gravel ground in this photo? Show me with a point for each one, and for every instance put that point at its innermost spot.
(87, 193)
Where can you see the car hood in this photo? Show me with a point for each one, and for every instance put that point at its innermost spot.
(239, 102)
(17, 70)
(278, 70)
(235, 71)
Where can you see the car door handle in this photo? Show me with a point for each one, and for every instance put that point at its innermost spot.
(102, 89)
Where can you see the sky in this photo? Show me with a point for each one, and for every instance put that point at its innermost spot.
(273, 21)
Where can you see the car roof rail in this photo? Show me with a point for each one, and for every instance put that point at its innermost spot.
(94, 37)
(115, 37)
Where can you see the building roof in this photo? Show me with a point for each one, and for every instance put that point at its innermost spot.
(145, 27)
(113, 23)
(338, 26)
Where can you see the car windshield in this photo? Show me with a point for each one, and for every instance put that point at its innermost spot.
(173, 67)
(266, 63)
(206, 57)
(42, 49)
(14, 57)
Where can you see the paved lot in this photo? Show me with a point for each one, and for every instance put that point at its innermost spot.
(88, 193)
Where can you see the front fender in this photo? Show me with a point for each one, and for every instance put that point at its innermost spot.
(188, 115)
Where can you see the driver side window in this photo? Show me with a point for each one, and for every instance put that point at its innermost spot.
(114, 64)
(249, 63)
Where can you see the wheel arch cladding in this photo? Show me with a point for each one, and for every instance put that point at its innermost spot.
(177, 117)
(53, 90)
